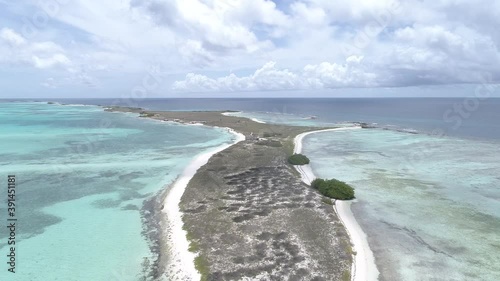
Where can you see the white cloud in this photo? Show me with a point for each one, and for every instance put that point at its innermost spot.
(332, 75)
(12, 37)
(312, 16)
(194, 53)
(269, 77)
(38, 54)
(266, 78)
(436, 54)
(47, 62)
(49, 83)
(316, 44)
(220, 28)
(356, 11)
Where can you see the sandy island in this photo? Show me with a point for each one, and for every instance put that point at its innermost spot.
(364, 267)
(241, 212)
(180, 261)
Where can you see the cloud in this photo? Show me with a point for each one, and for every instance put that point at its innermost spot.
(217, 28)
(331, 75)
(194, 53)
(47, 62)
(44, 56)
(12, 37)
(439, 55)
(312, 16)
(49, 83)
(17, 50)
(287, 45)
(269, 77)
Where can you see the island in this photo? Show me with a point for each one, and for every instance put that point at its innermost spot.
(247, 214)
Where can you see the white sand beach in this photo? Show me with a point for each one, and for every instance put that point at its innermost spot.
(257, 120)
(235, 114)
(180, 260)
(364, 267)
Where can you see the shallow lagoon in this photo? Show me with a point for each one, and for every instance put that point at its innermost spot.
(83, 175)
(430, 206)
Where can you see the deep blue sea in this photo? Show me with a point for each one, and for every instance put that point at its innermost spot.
(429, 200)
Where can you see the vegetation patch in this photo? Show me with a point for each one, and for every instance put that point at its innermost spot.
(193, 246)
(334, 189)
(201, 265)
(346, 275)
(298, 159)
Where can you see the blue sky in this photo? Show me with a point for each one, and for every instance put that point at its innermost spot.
(236, 48)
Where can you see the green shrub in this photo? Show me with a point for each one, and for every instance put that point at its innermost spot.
(334, 189)
(201, 265)
(317, 182)
(298, 159)
(346, 275)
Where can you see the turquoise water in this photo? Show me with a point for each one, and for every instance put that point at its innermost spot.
(430, 206)
(83, 175)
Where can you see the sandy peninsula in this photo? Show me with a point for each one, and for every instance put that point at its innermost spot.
(180, 262)
(242, 212)
(363, 267)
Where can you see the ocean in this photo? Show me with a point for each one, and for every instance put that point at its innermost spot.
(463, 117)
(83, 177)
(427, 177)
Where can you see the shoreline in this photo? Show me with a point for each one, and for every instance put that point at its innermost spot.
(363, 266)
(180, 261)
(253, 119)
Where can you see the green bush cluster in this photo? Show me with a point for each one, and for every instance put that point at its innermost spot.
(298, 159)
(333, 188)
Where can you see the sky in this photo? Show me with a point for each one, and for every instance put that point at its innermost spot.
(245, 48)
